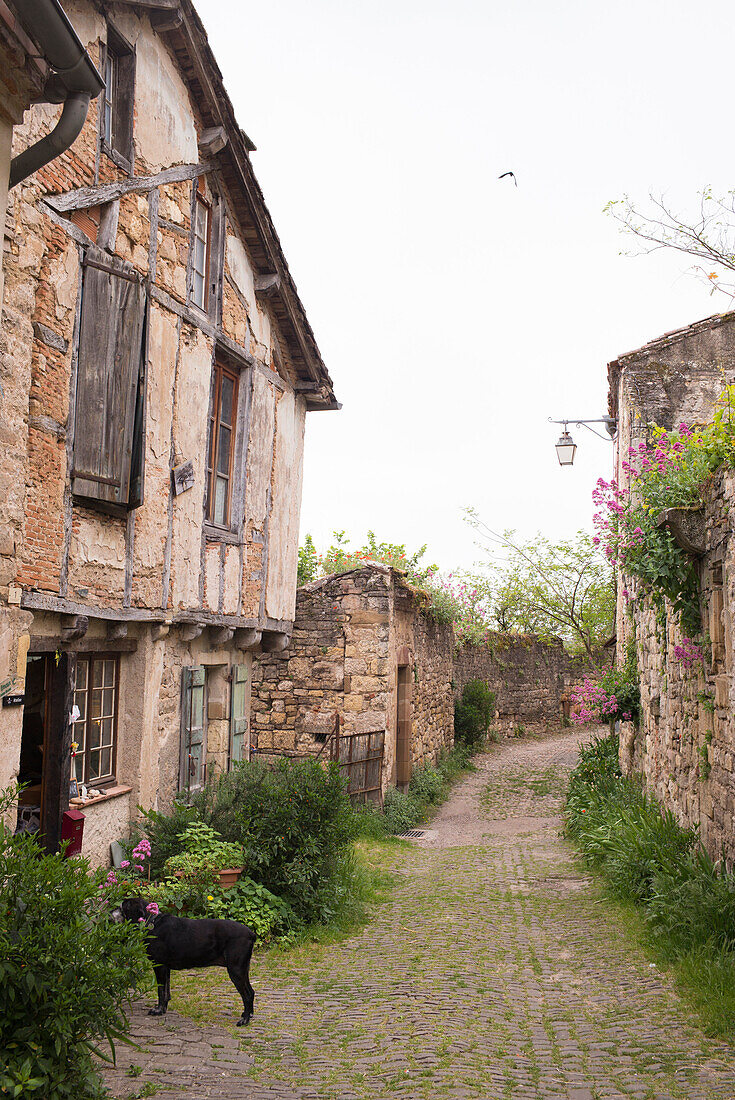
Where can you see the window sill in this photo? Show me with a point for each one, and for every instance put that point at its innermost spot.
(107, 795)
(119, 159)
(222, 534)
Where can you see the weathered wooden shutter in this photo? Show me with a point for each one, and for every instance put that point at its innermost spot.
(108, 373)
(122, 122)
(193, 733)
(239, 741)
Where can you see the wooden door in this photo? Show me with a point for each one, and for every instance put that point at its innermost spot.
(403, 726)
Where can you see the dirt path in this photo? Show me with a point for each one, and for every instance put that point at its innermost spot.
(492, 972)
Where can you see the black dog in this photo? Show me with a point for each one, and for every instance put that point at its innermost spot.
(180, 943)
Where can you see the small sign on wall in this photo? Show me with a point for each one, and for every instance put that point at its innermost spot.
(14, 700)
(182, 477)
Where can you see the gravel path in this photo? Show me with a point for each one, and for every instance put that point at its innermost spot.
(492, 972)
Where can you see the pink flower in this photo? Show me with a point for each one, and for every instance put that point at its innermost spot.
(125, 863)
(152, 908)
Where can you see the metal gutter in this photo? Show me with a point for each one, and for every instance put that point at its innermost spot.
(74, 82)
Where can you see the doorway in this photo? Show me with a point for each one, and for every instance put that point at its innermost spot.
(45, 746)
(33, 744)
(403, 726)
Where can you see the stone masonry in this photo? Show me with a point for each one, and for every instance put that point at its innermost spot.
(684, 745)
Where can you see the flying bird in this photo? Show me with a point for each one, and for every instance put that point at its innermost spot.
(512, 176)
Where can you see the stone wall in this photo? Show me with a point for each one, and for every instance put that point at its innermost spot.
(683, 748)
(352, 633)
(532, 680)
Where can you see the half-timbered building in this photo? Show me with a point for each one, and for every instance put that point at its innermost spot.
(158, 366)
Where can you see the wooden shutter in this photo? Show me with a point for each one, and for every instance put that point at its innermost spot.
(193, 734)
(108, 372)
(239, 742)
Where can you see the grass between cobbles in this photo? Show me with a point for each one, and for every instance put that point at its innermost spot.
(674, 899)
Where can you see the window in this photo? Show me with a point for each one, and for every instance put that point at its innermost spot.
(238, 715)
(200, 252)
(95, 730)
(108, 453)
(119, 94)
(192, 769)
(221, 445)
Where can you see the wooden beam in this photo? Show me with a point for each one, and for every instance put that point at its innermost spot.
(266, 285)
(43, 643)
(57, 748)
(167, 21)
(212, 141)
(108, 192)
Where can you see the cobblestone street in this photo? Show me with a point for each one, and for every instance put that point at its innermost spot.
(492, 971)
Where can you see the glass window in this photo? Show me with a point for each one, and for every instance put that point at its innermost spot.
(200, 253)
(193, 730)
(95, 729)
(221, 442)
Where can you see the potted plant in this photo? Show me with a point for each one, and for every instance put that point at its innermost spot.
(206, 857)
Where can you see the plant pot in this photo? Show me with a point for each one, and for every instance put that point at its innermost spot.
(226, 877)
(229, 876)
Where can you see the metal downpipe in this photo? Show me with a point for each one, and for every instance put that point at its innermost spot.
(64, 133)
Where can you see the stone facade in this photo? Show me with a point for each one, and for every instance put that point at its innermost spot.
(684, 746)
(533, 680)
(365, 656)
(152, 577)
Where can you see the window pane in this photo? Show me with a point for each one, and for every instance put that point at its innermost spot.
(198, 289)
(105, 762)
(220, 500)
(106, 731)
(94, 766)
(109, 673)
(82, 671)
(94, 734)
(228, 390)
(80, 701)
(108, 701)
(97, 672)
(78, 769)
(95, 704)
(223, 451)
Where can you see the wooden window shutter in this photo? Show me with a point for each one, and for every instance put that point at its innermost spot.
(193, 733)
(108, 376)
(239, 744)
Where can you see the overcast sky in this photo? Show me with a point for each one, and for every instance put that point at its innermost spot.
(454, 311)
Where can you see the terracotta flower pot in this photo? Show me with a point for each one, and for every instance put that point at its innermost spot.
(229, 876)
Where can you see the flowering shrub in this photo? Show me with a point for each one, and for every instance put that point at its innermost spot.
(670, 471)
(616, 695)
(689, 653)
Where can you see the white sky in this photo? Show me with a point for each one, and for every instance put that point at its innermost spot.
(454, 312)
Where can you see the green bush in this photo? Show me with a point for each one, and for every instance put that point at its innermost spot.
(473, 714)
(65, 973)
(687, 901)
(204, 852)
(165, 833)
(293, 819)
(402, 810)
(252, 904)
(428, 785)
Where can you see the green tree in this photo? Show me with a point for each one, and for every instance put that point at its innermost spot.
(340, 557)
(563, 589)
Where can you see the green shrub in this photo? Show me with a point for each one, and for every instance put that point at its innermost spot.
(204, 853)
(294, 821)
(473, 714)
(165, 832)
(65, 973)
(402, 809)
(428, 785)
(687, 901)
(252, 904)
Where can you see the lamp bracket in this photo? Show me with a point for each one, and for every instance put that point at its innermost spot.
(610, 423)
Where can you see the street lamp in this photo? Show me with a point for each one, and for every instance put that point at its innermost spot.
(566, 448)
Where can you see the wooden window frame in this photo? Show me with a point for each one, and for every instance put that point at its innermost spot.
(188, 686)
(220, 370)
(201, 202)
(109, 779)
(117, 106)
